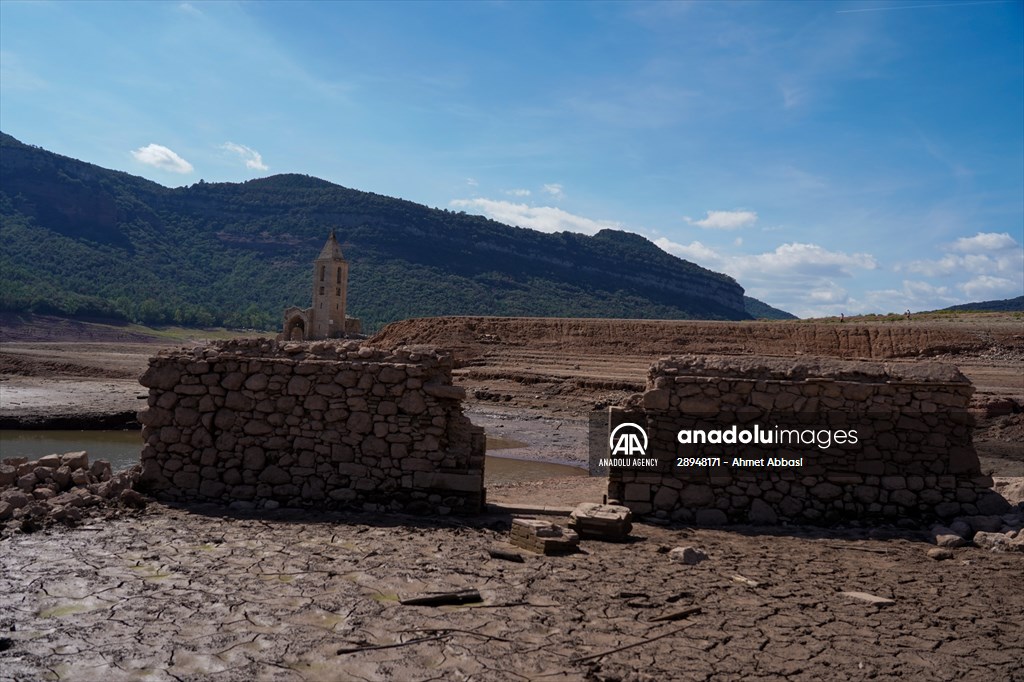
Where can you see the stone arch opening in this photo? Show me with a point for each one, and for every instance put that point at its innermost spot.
(295, 328)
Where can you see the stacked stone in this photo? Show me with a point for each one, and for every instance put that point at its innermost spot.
(59, 488)
(543, 537)
(914, 459)
(327, 424)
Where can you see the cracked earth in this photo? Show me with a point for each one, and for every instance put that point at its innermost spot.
(176, 594)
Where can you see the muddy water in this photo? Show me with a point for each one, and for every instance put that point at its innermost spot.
(121, 449)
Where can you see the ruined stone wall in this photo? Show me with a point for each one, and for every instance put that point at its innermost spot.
(325, 424)
(914, 457)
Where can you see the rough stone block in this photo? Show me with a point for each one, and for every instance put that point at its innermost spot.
(543, 537)
(762, 514)
(602, 521)
(696, 495)
(826, 491)
(688, 556)
(638, 492)
(711, 517)
(75, 460)
(444, 392)
(274, 475)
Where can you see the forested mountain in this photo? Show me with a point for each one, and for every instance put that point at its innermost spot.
(80, 240)
(1007, 305)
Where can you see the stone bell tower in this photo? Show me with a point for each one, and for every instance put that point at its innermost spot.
(327, 318)
(330, 291)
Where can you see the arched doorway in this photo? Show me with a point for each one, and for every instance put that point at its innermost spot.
(295, 328)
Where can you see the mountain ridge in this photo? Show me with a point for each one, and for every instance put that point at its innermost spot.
(1015, 304)
(81, 239)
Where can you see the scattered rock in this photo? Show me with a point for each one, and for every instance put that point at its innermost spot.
(945, 537)
(940, 553)
(689, 556)
(75, 460)
(133, 498)
(743, 580)
(49, 461)
(8, 475)
(602, 521)
(991, 541)
(869, 598)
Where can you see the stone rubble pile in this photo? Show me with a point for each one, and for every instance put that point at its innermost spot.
(1002, 533)
(327, 424)
(61, 487)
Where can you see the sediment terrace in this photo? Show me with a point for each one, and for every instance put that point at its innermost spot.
(561, 364)
(470, 336)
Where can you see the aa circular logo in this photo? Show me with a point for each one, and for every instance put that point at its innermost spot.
(628, 439)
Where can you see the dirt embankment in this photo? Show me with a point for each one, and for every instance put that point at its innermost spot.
(67, 385)
(28, 327)
(471, 336)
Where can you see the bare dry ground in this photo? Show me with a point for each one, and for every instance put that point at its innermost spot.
(190, 594)
(193, 594)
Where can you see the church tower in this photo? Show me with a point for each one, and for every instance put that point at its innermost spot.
(330, 291)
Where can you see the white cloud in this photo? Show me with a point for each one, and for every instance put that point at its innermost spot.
(914, 295)
(725, 220)
(786, 262)
(793, 97)
(694, 251)
(189, 8)
(253, 159)
(161, 157)
(800, 278)
(518, 192)
(986, 253)
(805, 260)
(986, 287)
(983, 242)
(555, 190)
(989, 265)
(472, 182)
(542, 218)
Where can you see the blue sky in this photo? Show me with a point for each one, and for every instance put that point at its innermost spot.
(833, 157)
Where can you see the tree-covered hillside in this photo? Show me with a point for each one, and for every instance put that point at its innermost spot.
(80, 240)
(1007, 305)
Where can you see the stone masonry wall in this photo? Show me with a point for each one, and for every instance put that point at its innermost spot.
(327, 424)
(914, 458)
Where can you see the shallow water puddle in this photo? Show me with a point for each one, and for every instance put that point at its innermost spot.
(62, 608)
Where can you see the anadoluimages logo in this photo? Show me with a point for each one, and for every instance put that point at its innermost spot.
(628, 440)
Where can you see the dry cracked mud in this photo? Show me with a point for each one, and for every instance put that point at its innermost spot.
(195, 594)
